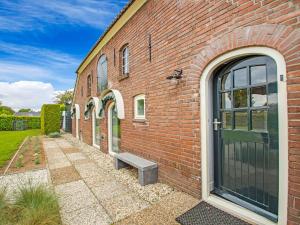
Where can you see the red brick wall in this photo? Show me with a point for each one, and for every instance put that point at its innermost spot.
(188, 35)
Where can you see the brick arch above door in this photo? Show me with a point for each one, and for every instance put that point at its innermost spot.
(279, 37)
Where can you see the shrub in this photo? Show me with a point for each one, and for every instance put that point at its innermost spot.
(32, 205)
(50, 118)
(54, 135)
(37, 205)
(7, 122)
(5, 216)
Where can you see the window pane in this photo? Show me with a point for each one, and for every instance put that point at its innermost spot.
(240, 98)
(226, 100)
(102, 73)
(226, 81)
(241, 120)
(259, 96)
(140, 107)
(226, 120)
(259, 120)
(240, 77)
(258, 74)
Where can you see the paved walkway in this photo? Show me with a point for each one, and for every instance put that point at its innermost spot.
(91, 191)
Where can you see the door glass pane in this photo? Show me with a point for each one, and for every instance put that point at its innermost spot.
(226, 81)
(259, 96)
(116, 131)
(141, 107)
(226, 100)
(226, 119)
(259, 120)
(97, 131)
(240, 77)
(258, 74)
(240, 98)
(241, 120)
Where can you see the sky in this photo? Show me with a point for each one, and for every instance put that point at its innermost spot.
(42, 42)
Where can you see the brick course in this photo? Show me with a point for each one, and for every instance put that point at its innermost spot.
(188, 35)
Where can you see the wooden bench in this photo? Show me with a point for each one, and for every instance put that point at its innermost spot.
(147, 170)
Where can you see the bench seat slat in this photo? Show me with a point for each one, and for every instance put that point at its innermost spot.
(136, 161)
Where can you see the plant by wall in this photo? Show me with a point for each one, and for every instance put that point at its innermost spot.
(50, 118)
(7, 122)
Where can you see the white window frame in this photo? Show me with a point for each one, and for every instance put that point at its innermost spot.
(125, 60)
(136, 99)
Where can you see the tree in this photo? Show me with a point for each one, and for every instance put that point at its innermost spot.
(25, 110)
(64, 97)
(5, 110)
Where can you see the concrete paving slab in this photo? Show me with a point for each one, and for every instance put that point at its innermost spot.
(98, 180)
(122, 206)
(71, 188)
(88, 169)
(76, 156)
(163, 212)
(93, 215)
(78, 200)
(109, 189)
(64, 175)
(59, 165)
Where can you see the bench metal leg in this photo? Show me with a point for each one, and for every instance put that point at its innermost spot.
(148, 176)
(119, 164)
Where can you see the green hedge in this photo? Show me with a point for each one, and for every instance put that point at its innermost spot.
(50, 118)
(30, 122)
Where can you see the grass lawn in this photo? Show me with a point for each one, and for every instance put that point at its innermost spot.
(10, 141)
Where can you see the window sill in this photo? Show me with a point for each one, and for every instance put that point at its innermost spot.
(139, 121)
(123, 77)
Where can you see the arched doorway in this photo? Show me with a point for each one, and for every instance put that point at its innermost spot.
(210, 162)
(75, 114)
(114, 129)
(96, 128)
(246, 134)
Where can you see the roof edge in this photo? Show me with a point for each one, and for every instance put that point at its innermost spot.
(122, 18)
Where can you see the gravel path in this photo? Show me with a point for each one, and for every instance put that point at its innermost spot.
(91, 191)
(11, 182)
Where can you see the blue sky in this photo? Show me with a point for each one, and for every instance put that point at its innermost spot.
(42, 42)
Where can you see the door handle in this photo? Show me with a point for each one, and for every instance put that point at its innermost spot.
(216, 124)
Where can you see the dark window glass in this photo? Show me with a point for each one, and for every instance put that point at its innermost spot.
(258, 74)
(259, 120)
(226, 120)
(226, 100)
(258, 96)
(241, 120)
(89, 86)
(240, 98)
(240, 77)
(226, 81)
(102, 73)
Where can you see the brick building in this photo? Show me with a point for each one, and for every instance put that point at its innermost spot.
(208, 89)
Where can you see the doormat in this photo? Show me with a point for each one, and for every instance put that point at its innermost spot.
(206, 214)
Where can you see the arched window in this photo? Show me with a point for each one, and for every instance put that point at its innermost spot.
(125, 60)
(89, 85)
(102, 73)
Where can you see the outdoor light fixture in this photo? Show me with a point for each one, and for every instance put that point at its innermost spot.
(174, 78)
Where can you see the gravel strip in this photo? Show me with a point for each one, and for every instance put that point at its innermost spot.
(151, 193)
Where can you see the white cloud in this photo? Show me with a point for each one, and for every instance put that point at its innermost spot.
(26, 94)
(34, 15)
(23, 62)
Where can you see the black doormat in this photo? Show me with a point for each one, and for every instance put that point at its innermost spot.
(206, 214)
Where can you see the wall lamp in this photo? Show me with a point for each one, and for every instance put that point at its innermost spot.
(174, 78)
